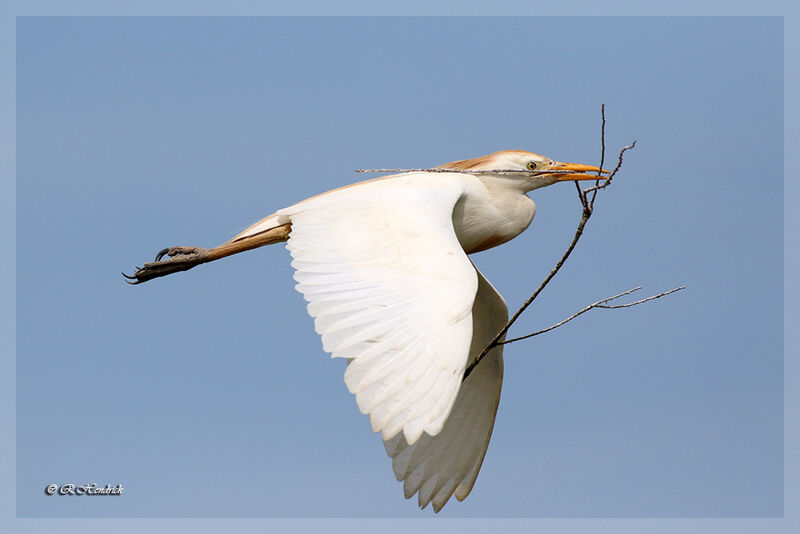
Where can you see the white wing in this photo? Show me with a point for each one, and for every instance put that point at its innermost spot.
(437, 466)
(389, 287)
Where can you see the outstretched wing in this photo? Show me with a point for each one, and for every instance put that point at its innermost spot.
(437, 466)
(391, 289)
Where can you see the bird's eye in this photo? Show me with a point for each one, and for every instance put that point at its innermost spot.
(531, 165)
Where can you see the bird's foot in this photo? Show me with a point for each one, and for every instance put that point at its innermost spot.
(180, 259)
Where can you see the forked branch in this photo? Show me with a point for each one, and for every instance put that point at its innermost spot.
(587, 197)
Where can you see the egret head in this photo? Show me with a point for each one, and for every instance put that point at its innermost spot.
(532, 169)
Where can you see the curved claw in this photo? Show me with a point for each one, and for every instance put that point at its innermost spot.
(129, 277)
(161, 253)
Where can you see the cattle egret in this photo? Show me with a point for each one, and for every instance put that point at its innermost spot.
(384, 267)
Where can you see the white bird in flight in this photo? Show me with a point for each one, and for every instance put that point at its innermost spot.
(384, 267)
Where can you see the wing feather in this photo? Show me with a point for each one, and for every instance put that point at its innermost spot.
(391, 290)
(439, 466)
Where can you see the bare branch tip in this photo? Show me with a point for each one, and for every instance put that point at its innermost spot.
(637, 302)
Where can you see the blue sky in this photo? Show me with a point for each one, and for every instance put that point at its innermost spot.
(133, 134)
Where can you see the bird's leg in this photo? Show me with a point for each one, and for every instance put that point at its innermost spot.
(184, 258)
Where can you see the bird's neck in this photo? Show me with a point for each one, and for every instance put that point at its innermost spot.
(492, 212)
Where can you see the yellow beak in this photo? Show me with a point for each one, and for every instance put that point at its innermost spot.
(581, 172)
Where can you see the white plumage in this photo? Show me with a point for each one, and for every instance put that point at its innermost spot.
(383, 265)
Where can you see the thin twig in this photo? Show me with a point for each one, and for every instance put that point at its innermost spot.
(628, 305)
(599, 304)
(568, 319)
(602, 152)
(473, 171)
(613, 173)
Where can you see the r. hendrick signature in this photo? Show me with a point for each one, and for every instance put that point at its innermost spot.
(86, 489)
